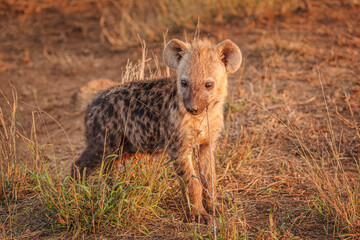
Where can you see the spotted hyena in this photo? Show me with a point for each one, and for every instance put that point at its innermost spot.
(176, 115)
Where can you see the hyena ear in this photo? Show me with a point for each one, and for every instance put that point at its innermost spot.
(173, 52)
(230, 55)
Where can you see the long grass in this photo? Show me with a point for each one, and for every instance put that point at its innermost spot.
(142, 199)
(338, 191)
(106, 202)
(121, 200)
(135, 199)
(143, 194)
(123, 21)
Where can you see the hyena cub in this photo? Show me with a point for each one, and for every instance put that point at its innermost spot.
(170, 114)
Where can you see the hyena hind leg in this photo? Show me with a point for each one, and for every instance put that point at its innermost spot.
(90, 159)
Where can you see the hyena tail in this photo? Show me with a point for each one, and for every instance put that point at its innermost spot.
(89, 159)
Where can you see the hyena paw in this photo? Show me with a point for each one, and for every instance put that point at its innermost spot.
(200, 216)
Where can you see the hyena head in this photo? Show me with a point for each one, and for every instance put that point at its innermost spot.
(202, 70)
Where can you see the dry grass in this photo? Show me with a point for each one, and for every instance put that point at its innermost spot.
(135, 199)
(338, 196)
(123, 21)
(141, 197)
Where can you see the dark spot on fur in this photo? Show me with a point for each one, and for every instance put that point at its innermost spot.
(137, 95)
(143, 126)
(172, 95)
(138, 122)
(118, 98)
(149, 86)
(112, 139)
(125, 93)
(127, 102)
(140, 112)
(162, 142)
(159, 106)
(166, 104)
(110, 110)
(96, 123)
(149, 115)
(161, 83)
(97, 101)
(102, 105)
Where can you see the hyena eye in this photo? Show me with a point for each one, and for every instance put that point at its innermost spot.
(183, 83)
(209, 85)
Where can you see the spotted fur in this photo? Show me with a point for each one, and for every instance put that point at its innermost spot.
(171, 114)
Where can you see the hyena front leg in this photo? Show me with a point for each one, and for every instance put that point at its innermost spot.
(208, 176)
(191, 187)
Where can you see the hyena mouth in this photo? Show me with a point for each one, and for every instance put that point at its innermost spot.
(194, 113)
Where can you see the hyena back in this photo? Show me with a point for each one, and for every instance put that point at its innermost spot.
(176, 114)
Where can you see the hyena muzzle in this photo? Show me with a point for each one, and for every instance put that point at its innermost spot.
(176, 115)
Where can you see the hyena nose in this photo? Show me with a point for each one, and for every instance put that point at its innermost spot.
(192, 109)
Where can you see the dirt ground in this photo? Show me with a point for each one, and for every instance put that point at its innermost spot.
(301, 68)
